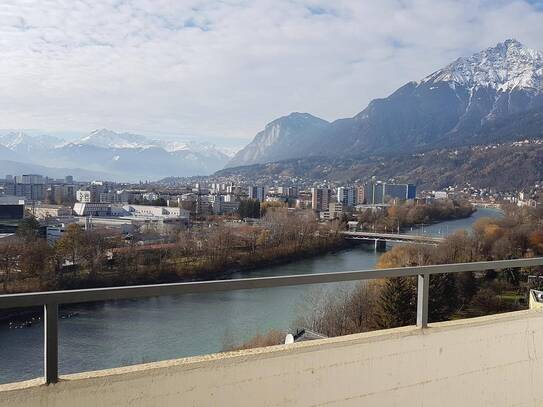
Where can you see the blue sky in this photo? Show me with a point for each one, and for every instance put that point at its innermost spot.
(223, 69)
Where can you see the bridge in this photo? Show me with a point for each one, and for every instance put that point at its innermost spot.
(486, 205)
(380, 239)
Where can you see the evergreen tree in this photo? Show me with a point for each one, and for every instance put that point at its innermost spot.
(256, 209)
(249, 208)
(443, 299)
(396, 303)
(28, 229)
(466, 286)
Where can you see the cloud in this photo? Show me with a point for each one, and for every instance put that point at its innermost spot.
(225, 68)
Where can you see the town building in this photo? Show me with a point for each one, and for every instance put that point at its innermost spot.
(92, 209)
(12, 208)
(359, 195)
(377, 192)
(220, 205)
(320, 199)
(346, 196)
(156, 211)
(335, 211)
(256, 193)
(50, 211)
(83, 196)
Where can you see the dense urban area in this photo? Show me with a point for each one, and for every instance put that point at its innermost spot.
(64, 233)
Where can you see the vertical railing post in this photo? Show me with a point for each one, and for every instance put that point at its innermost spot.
(50, 340)
(422, 300)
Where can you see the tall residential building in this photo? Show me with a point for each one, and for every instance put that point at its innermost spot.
(32, 192)
(30, 179)
(377, 192)
(257, 193)
(320, 199)
(290, 192)
(346, 196)
(360, 198)
(400, 191)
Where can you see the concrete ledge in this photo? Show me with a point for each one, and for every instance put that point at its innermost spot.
(496, 360)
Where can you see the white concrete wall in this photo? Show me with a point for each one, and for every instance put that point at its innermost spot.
(491, 361)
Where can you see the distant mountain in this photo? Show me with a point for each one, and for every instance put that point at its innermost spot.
(287, 137)
(455, 106)
(105, 138)
(123, 156)
(504, 167)
(16, 168)
(24, 143)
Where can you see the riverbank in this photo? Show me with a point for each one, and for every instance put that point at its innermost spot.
(188, 325)
(246, 269)
(195, 270)
(408, 215)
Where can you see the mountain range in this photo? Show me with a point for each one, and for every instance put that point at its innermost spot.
(110, 155)
(492, 96)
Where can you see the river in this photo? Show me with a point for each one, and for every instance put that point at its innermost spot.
(118, 333)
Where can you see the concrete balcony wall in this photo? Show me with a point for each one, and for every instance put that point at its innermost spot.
(489, 361)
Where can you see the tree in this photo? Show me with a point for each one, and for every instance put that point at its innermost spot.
(93, 251)
(28, 229)
(443, 299)
(396, 303)
(467, 286)
(536, 241)
(249, 208)
(36, 260)
(9, 255)
(72, 242)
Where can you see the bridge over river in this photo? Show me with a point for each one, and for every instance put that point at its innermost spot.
(380, 239)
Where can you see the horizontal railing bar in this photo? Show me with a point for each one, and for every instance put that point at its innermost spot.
(141, 291)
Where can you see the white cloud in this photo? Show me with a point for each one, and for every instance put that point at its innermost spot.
(225, 68)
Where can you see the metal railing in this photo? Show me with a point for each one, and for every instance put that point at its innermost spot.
(52, 299)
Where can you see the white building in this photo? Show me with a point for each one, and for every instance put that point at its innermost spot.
(441, 195)
(150, 196)
(83, 196)
(156, 211)
(92, 209)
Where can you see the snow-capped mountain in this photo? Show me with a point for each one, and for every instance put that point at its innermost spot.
(506, 67)
(467, 102)
(105, 138)
(125, 156)
(22, 142)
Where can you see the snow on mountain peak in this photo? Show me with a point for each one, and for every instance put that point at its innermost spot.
(21, 141)
(109, 139)
(507, 66)
(105, 138)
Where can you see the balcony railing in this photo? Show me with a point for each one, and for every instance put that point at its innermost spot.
(52, 299)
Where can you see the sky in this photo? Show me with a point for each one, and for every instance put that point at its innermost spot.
(221, 70)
